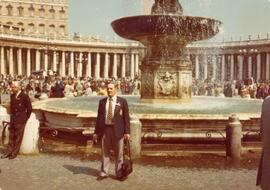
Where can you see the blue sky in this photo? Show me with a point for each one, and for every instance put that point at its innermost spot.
(239, 17)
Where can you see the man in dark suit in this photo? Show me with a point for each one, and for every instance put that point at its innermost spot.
(20, 111)
(263, 178)
(113, 126)
(57, 89)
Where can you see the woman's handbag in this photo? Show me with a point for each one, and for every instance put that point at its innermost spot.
(127, 166)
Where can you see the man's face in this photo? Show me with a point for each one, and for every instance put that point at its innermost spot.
(111, 91)
(14, 88)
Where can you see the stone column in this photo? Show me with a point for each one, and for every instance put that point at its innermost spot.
(71, 71)
(106, 66)
(136, 132)
(37, 60)
(136, 64)
(267, 66)
(233, 138)
(132, 66)
(123, 69)
(115, 66)
(28, 63)
(223, 68)
(249, 66)
(54, 61)
(3, 68)
(240, 66)
(197, 67)
(89, 71)
(30, 137)
(97, 67)
(46, 60)
(258, 67)
(11, 61)
(205, 67)
(214, 62)
(20, 61)
(79, 69)
(63, 64)
(232, 68)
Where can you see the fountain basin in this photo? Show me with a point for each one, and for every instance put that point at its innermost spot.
(183, 29)
(201, 105)
(202, 117)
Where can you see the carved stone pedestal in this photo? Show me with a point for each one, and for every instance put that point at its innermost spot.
(166, 81)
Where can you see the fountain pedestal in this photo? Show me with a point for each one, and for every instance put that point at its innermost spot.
(166, 81)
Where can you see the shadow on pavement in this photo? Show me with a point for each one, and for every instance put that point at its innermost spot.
(82, 170)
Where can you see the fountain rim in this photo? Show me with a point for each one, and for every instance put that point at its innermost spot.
(41, 106)
(122, 27)
(167, 16)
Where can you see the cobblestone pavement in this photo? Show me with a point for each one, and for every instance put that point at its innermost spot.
(57, 172)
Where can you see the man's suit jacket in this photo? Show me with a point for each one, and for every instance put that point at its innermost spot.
(58, 90)
(20, 108)
(263, 178)
(121, 118)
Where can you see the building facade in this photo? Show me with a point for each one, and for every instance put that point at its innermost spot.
(37, 17)
(34, 36)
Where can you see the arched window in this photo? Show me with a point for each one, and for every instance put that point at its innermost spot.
(20, 24)
(9, 10)
(20, 11)
(31, 11)
(42, 12)
(41, 28)
(52, 12)
(62, 30)
(51, 29)
(31, 28)
(62, 13)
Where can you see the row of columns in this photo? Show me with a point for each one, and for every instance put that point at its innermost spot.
(232, 67)
(22, 61)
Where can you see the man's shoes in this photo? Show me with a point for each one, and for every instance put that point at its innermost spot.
(122, 178)
(4, 156)
(11, 157)
(99, 178)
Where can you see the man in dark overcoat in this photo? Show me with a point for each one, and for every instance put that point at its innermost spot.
(263, 178)
(113, 126)
(20, 111)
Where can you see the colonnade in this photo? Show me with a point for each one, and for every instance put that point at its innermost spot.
(228, 67)
(107, 63)
(23, 61)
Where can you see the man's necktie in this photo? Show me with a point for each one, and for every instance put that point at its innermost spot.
(109, 115)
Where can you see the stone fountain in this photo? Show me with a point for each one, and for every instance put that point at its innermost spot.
(166, 74)
(166, 70)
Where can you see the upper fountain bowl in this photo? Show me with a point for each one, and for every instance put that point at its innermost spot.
(145, 28)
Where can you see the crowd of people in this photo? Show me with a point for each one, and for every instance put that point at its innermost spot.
(54, 86)
(247, 88)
